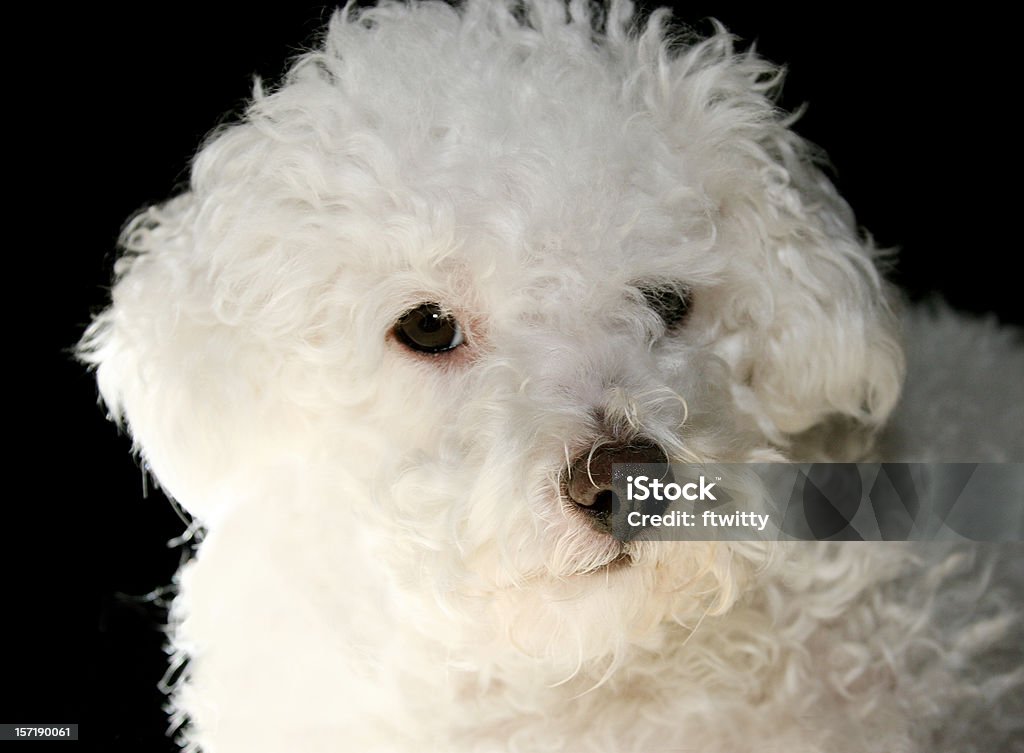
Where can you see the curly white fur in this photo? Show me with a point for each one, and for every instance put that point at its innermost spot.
(386, 563)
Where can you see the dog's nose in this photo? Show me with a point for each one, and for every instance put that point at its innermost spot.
(589, 483)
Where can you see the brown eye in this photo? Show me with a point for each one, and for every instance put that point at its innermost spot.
(670, 302)
(428, 329)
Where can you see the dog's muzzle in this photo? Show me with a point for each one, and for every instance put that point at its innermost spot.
(588, 483)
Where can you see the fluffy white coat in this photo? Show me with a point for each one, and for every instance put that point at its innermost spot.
(385, 561)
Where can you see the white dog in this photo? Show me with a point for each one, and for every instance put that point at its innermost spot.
(459, 254)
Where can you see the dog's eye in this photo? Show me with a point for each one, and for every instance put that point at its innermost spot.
(428, 329)
(671, 303)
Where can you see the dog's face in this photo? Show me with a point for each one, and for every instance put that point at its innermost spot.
(459, 259)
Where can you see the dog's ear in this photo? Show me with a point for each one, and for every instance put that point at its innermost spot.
(819, 336)
(805, 317)
(806, 298)
(171, 364)
(226, 334)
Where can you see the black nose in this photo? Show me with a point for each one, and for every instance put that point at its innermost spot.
(589, 482)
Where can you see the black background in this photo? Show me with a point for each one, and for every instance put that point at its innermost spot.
(105, 108)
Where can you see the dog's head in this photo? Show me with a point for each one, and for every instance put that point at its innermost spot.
(462, 258)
